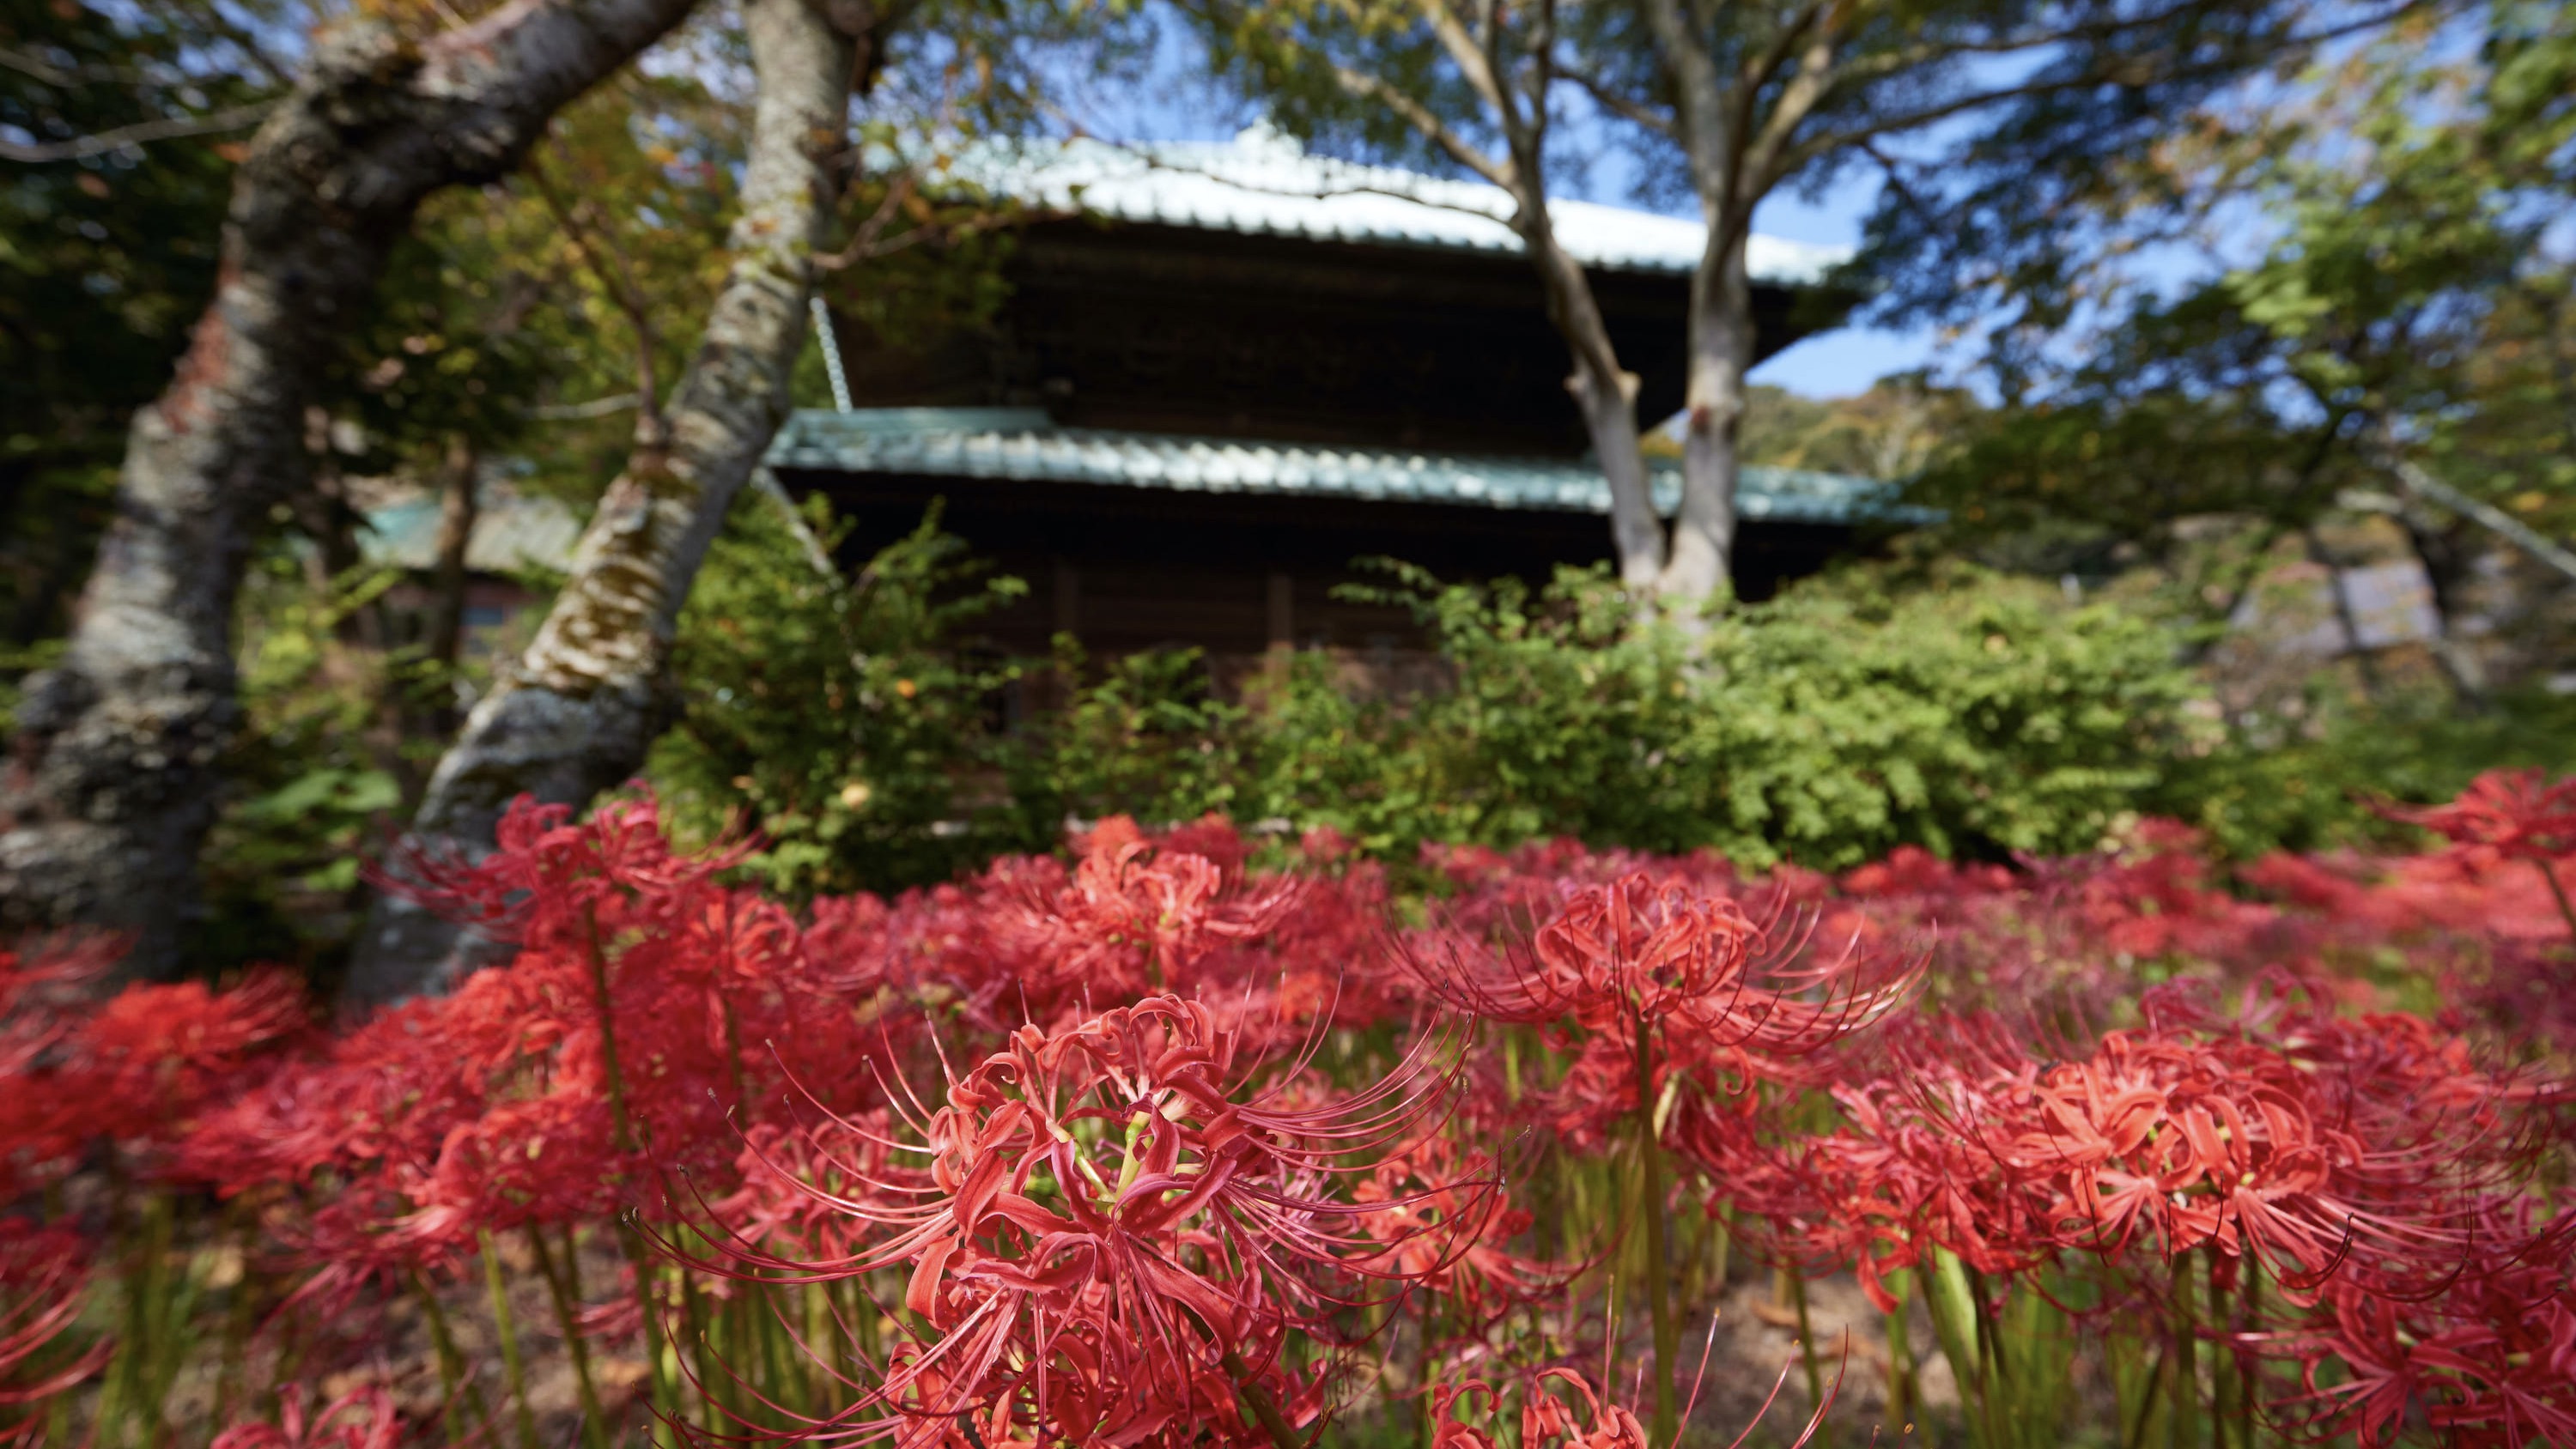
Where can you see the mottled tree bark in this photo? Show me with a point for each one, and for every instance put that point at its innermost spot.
(1604, 392)
(577, 712)
(1735, 152)
(1700, 564)
(112, 785)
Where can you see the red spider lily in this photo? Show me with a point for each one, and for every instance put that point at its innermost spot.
(1501, 892)
(1910, 870)
(1635, 955)
(2511, 815)
(2518, 814)
(1548, 1416)
(1113, 1235)
(549, 876)
(646, 1000)
(44, 1275)
(1136, 919)
(1914, 1168)
(1561, 1407)
(362, 1418)
(1211, 837)
(2334, 1150)
(134, 1070)
(1446, 1228)
(2488, 1361)
(158, 1052)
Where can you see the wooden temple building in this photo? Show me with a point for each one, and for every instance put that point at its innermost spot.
(1229, 370)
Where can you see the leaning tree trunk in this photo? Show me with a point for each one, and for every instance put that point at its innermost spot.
(577, 713)
(1604, 392)
(1721, 352)
(112, 782)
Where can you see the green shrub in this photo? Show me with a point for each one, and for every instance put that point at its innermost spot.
(1979, 716)
(1969, 712)
(837, 717)
(1145, 737)
(2311, 793)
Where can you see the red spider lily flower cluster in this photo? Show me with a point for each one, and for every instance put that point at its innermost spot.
(2322, 1146)
(1664, 981)
(1138, 918)
(2362, 1165)
(1113, 1233)
(2487, 1360)
(134, 1071)
(2511, 815)
(363, 1418)
(636, 1015)
(44, 1276)
(1441, 1225)
(1637, 954)
(1549, 1416)
(1196, 1152)
(2517, 814)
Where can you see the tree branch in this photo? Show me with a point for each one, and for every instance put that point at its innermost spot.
(2090, 76)
(1430, 127)
(1469, 57)
(2531, 541)
(232, 118)
(610, 269)
(1617, 105)
(1766, 159)
(1703, 136)
(1892, 171)
(54, 75)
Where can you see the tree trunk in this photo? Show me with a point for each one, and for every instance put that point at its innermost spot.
(1721, 352)
(330, 523)
(1605, 393)
(2347, 621)
(459, 505)
(2447, 560)
(577, 714)
(112, 784)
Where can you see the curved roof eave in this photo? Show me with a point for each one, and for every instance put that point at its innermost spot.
(1262, 183)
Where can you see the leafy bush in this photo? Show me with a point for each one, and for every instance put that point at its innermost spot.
(1971, 713)
(1978, 717)
(1146, 736)
(2313, 792)
(319, 768)
(837, 716)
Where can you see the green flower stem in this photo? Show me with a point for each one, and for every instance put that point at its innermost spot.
(455, 1385)
(507, 1327)
(1659, 1268)
(1265, 1410)
(1900, 1360)
(559, 1285)
(2185, 1383)
(1807, 1349)
(660, 1365)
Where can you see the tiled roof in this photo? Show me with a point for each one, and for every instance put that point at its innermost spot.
(1022, 444)
(1264, 183)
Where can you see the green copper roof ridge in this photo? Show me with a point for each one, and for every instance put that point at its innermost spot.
(1025, 444)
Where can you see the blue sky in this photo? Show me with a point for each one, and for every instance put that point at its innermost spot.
(1848, 359)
